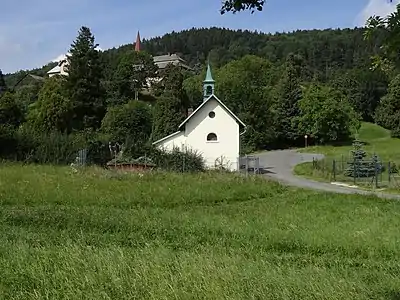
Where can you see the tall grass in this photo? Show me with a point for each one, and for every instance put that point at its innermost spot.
(100, 235)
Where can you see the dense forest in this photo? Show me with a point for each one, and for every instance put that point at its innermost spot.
(324, 51)
(283, 85)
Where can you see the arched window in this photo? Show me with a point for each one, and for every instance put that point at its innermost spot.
(212, 137)
(209, 90)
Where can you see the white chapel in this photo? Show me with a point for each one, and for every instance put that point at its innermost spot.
(212, 129)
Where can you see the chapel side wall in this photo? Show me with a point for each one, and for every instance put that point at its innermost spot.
(178, 140)
(223, 125)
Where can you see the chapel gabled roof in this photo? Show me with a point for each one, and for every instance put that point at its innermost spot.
(202, 105)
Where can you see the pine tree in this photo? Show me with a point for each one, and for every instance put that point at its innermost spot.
(83, 83)
(355, 165)
(3, 86)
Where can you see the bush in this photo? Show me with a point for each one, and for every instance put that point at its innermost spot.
(178, 161)
(30, 146)
(175, 160)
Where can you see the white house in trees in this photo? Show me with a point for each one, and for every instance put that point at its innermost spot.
(212, 129)
(61, 68)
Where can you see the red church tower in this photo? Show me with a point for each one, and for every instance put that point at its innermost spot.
(137, 44)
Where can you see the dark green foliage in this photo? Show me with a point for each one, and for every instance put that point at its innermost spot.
(324, 50)
(245, 87)
(83, 85)
(393, 168)
(171, 107)
(286, 108)
(363, 88)
(8, 143)
(325, 115)
(239, 5)
(177, 160)
(388, 112)
(168, 115)
(386, 29)
(264, 88)
(3, 86)
(30, 146)
(53, 110)
(132, 121)
(130, 75)
(10, 112)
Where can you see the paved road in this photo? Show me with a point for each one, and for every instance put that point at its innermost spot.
(279, 166)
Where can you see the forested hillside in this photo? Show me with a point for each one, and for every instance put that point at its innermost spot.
(323, 50)
(283, 86)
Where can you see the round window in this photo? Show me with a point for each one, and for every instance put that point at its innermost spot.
(211, 114)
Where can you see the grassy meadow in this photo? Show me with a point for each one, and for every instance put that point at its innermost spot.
(94, 234)
(377, 140)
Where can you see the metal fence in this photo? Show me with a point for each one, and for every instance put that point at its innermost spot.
(249, 164)
(368, 172)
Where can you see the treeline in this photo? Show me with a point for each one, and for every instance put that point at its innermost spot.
(325, 51)
(283, 86)
(84, 111)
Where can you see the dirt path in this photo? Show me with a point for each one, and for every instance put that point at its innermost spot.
(279, 165)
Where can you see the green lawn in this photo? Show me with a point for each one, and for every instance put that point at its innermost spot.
(100, 235)
(377, 140)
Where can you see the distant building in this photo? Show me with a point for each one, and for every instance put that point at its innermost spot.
(61, 68)
(161, 61)
(212, 129)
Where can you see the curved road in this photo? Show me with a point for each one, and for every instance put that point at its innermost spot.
(279, 166)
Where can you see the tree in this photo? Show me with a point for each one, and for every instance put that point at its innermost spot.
(363, 88)
(387, 28)
(132, 121)
(168, 114)
(171, 107)
(245, 86)
(131, 75)
(10, 113)
(286, 109)
(3, 86)
(388, 111)
(52, 111)
(239, 5)
(358, 167)
(83, 83)
(325, 115)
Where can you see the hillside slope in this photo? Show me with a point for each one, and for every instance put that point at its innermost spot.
(324, 51)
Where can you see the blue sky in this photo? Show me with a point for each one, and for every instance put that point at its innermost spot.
(32, 33)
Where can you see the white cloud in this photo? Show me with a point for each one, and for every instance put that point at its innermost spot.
(376, 8)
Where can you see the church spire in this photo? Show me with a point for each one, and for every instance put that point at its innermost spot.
(208, 84)
(137, 44)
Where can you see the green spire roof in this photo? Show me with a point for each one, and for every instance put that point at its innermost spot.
(209, 77)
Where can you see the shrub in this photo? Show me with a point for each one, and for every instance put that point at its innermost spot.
(177, 160)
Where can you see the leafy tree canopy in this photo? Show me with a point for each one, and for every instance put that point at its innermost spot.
(326, 115)
(387, 28)
(388, 112)
(10, 113)
(52, 110)
(239, 5)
